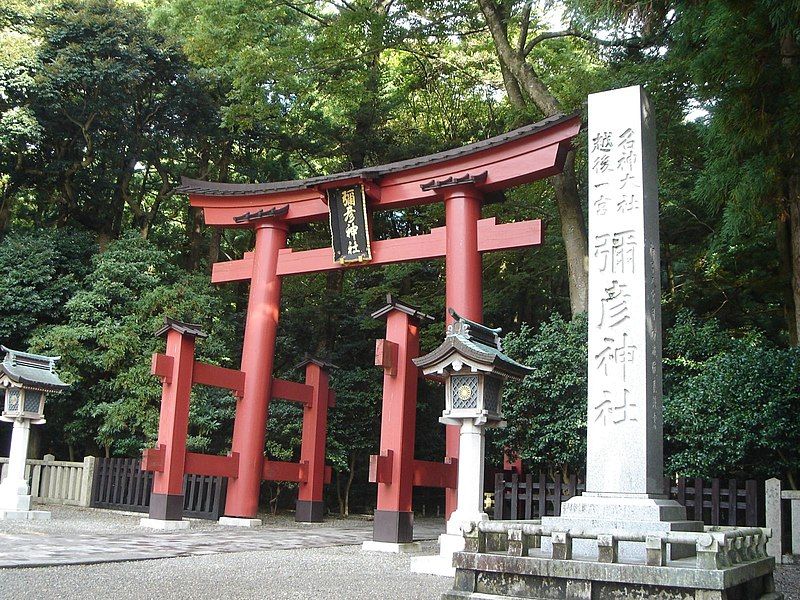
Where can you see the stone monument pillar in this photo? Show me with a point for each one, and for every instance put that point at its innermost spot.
(624, 467)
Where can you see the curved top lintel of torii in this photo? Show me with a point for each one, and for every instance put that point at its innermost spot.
(520, 156)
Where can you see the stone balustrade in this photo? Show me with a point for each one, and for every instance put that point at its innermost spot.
(716, 547)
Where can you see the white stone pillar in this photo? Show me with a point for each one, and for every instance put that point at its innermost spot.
(14, 489)
(472, 442)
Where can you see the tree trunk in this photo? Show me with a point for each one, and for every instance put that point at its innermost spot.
(573, 230)
(789, 53)
(195, 234)
(348, 485)
(783, 240)
(573, 225)
(794, 222)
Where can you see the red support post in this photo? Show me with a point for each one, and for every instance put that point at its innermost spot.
(258, 354)
(166, 500)
(310, 507)
(394, 516)
(464, 281)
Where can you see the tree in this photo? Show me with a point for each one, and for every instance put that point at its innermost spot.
(39, 273)
(522, 81)
(99, 98)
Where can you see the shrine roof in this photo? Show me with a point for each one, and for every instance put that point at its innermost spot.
(32, 370)
(210, 188)
(189, 329)
(477, 343)
(393, 303)
(323, 364)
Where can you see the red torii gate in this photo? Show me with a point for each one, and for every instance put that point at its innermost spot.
(461, 178)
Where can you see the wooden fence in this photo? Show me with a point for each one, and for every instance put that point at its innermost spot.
(121, 484)
(57, 481)
(715, 502)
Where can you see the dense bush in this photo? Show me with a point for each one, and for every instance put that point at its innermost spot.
(107, 340)
(546, 412)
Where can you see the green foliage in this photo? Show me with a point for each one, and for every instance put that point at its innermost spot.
(546, 411)
(733, 411)
(39, 272)
(106, 344)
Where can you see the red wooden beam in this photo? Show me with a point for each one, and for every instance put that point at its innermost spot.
(231, 379)
(491, 236)
(435, 474)
(380, 467)
(284, 471)
(153, 459)
(209, 464)
(292, 391)
(161, 366)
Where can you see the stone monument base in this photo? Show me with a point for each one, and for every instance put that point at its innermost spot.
(606, 513)
(24, 515)
(490, 577)
(504, 559)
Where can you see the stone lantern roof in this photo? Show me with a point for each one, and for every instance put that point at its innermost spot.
(476, 343)
(31, 370)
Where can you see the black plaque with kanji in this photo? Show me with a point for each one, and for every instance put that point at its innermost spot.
(347, 210)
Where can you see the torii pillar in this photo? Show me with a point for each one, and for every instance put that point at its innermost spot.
(258, 357)
(463, 272)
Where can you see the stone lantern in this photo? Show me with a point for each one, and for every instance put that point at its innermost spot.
(26, 380)
(472, 366)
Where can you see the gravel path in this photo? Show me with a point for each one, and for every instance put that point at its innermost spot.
(327, 573)
(236, 565)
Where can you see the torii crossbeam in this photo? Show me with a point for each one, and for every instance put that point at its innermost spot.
(461, 178)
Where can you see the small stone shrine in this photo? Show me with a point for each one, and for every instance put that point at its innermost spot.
(27, 379)
(623, 537)
(473, 368)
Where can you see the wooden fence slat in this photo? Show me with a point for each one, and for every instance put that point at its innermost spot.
(715, 502)
(681, 491)
(542, 495)
(528, 496)
(499, 492)
(751, 502)
(733, 501)
(557, 496)
(514, 496)
(698, 499)
(109, 482)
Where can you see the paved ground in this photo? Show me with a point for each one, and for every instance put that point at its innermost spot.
(92, 554)
(84, 536)
(101, 554)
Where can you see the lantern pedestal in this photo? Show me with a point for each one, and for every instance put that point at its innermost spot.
(15, 499)
(471, 446)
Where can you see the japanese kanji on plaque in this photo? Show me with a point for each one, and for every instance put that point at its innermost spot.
(349, 227)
